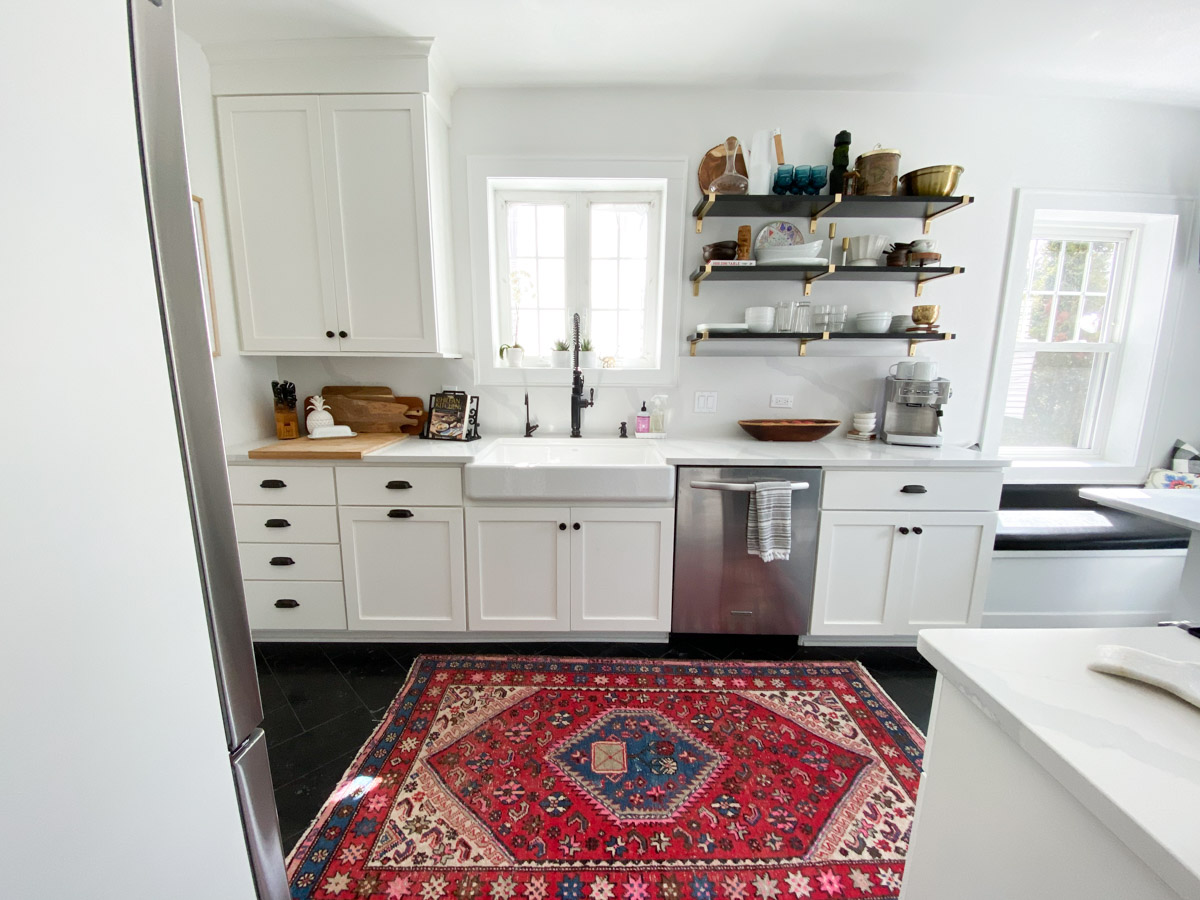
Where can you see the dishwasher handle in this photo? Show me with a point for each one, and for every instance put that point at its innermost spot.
(740, 487)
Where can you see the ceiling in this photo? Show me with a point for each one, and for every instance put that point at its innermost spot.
(1144, 50)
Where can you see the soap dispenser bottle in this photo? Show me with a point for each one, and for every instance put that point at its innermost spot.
(658, 415)
(642, 425)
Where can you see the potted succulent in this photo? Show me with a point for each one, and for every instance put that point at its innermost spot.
(560, 356)
(512, 354)
(588, 359)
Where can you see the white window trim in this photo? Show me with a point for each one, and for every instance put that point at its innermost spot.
(1159, 249)
(488, 174)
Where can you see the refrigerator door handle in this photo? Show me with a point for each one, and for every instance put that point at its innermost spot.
(740, 487)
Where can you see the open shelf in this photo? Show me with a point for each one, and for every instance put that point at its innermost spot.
(808, 274)
(815, 206)
(804, 338)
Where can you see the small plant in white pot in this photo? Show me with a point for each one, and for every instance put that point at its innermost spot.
(512, 354)
(560, 356)
(588, 358)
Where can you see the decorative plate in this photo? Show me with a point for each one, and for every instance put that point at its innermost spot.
(778, 234)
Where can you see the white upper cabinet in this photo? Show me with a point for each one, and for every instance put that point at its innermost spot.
(338, 204)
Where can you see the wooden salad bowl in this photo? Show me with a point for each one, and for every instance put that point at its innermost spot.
(789, 429)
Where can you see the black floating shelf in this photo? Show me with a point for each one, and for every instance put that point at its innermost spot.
(809, 274)
(804, 338)
(816, 206)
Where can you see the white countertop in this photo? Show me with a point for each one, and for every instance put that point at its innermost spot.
(1178, 507)
(1128, 752)
(828, 453)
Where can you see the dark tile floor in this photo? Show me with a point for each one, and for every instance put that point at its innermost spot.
(323, 700)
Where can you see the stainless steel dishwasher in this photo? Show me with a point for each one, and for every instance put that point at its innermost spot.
(719, 587)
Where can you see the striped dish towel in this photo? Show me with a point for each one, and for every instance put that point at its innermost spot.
(769, 522)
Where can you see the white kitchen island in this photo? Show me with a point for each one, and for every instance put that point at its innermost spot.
(1175, 507)
(1044, 779)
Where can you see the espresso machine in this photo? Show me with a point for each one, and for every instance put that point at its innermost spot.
(912, 411)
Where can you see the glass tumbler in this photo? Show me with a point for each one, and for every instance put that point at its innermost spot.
(837, 318)
(783, 316)
(802, 319)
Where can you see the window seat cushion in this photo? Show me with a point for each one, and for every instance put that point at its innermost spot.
(1055, 517)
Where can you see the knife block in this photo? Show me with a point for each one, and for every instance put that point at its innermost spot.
(287, 422)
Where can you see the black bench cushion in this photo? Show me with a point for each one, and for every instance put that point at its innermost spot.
(1055, 517)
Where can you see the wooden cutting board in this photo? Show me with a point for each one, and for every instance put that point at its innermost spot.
(372, 409)
(326, 448)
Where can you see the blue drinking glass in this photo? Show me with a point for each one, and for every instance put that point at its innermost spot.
(820, 178)
(783, 179)
(800, 178)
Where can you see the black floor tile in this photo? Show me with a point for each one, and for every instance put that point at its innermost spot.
(281, 725)
(314, 688)
(316, 747)
(300, 800)
(270, 691)
(373, 674)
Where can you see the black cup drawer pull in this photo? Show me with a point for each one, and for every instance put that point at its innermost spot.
(399, 486)
(282, 561)
(278, 523)
(400, 514)
(914, 489)
(272, 483)
(286, 603)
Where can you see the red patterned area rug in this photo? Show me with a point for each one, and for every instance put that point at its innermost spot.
(500, 778)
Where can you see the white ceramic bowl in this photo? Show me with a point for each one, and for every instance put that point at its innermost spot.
(796, 254)
(868, 246)
(873, 322)
(760, 318)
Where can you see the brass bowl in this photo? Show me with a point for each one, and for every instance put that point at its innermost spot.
(932, 181)
(926, 314)
(789, 429)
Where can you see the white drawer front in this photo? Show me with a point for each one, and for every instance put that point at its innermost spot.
(295, 604)
(399, 486)
(299, 485)
(291, 562)
(294, 524)
(911, 489)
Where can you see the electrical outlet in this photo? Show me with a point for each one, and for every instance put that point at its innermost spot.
(706, 401)
(781, 401)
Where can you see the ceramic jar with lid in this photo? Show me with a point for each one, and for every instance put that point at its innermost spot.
(877, 172)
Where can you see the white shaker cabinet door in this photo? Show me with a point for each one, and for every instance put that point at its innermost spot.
(518, 569)
(621, 569)
(278, 213)
(378, 189)
(861, 573)
(952, 553)
(403, 568)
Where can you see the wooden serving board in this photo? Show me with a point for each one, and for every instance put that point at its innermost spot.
(371, 409)
(327, 448)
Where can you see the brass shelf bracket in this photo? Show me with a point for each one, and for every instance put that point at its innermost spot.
(703, 336)
(964, 201)
(699, 278)
(923, 279)
(817, 213)
(708, 204)
(913, 342)
(817, 276)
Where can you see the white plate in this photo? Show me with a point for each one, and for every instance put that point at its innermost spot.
(813, 261)
(719, 327)
(779, 233)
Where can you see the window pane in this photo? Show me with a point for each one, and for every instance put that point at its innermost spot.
(1051, 398)
(604, 231)
(633, 284)
(522, 283)
(1035, 317)
(604, 283)
(551, 229)
(630, 337)
(1044, 265)
(522, 229)
(1091, 323)
(552, 327)
(604, 332)
(552, 283)
(1065, 316)
(633, 231)
(1074, 262)
(1100, 274)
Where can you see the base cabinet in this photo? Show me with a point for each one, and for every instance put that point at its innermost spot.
(577, 569)
(886, 572)
(403, 572)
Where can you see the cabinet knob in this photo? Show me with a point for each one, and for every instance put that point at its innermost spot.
(272, 483)
(286, 603)
(914, 489)
(278, 523)
(562, 526)
(576, 526)
(400, 514)
(282, 561)
(399, 486)
(329, 334)
(343, 334)
(917, 530)
(903, 530)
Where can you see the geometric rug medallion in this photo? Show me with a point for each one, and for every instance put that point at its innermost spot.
(501, 778)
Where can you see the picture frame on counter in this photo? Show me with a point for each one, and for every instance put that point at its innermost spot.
(200, 225)
(453, 416)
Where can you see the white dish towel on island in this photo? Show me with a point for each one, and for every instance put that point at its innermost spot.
(769, 522)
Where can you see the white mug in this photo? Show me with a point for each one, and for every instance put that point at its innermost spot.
(903, 370)
(925, 370)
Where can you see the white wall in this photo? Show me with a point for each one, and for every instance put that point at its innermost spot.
(243, 382)
(114, 778)
(1004, 143)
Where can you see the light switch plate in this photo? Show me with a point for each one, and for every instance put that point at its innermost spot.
(782, 401)
(706, 401)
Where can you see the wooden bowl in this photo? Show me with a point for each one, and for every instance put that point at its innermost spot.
(789, 429)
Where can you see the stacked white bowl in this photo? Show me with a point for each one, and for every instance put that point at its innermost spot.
(760, 318)
(864, 422)
(873, 322)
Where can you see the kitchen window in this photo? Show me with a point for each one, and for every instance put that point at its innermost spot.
(1081, 347)
(552, 238)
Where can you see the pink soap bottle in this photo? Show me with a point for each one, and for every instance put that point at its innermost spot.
(643, 420)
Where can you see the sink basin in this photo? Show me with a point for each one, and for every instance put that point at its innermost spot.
(569, 469)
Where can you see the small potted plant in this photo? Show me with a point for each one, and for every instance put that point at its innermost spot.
(560, 356)
(588, 358)
(512, 354)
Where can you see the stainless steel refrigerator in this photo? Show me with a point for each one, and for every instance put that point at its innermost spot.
(189, 359)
